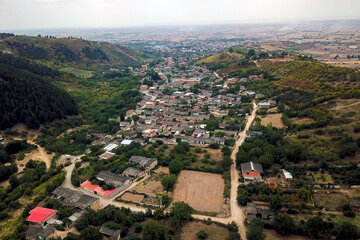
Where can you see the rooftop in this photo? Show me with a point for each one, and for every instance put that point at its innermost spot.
(39, 214)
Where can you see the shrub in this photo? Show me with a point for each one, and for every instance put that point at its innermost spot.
(201, 234)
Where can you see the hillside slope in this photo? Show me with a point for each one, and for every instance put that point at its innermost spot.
(27, 96)
(70, 51)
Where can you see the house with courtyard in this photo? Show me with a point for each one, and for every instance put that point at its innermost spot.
(133, 172)
(75, 199)
(144, 162)
(251, 171)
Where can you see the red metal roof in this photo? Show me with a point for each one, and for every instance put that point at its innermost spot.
(39, 214)
(88, 185)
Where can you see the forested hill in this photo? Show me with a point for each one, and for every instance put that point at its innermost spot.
(70, 51)
(27, 96)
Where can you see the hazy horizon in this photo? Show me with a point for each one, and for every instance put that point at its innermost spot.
(65, 14)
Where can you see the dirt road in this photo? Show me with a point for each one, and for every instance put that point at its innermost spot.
(237, 212)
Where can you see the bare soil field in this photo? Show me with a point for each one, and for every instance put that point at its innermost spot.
(131, 197)
(164, 170)
(216, 154)
(273, 235)
(150, 186)
(202, 191)
(214, 232)
(274, 119)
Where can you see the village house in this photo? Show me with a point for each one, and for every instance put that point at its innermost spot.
(251, 171)
(355, 205)
(250, 134)
(143, 161)
(253, 212)
(133, 172)
(287, 175)
(36, 232)
(110, 147)
(119, 182)
(106, 155)
(109, 233)
(75, 199)
(40, 216)
(149, 133)
(263, 105)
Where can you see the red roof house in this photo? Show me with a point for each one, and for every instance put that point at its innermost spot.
(41, 215)
(96, 188)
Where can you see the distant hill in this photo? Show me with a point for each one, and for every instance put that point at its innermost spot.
(27, 96)
(70, 51)
(307, 74)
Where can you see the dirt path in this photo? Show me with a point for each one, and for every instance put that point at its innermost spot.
(237, 212)
(346, 106)
(39, 154)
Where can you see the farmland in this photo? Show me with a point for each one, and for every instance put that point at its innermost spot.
(214, 232)
(202, 191)
(274, 119)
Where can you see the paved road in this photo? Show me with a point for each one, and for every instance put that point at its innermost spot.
(237, 212)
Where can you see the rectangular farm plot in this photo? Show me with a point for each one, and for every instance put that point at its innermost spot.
(202, 191)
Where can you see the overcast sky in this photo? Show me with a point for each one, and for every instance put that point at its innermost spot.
(45, 14)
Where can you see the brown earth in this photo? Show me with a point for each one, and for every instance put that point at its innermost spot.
(131, 197)
(273, 235)
(274, 119)
(214, 232)
(202, 191)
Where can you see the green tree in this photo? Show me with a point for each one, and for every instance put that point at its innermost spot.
(256, 230)
(317, 228)
(347, 231)
(180, 212)
(159, 213)
(242, 196)
(153, 230)
(168, 182)
(275, 202)
(175, 166)
(90, 233)
(284, 224)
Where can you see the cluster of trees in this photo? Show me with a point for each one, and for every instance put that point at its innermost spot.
(28, 50)
(28, 97)
(260, 192)
(116, 93)
(95, 54)
(7, 156)
(316, 228)
(269, 148)
(74, 142)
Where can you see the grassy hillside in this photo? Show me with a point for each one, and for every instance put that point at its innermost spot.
(221, 58)
(305, 75)
(70, 51)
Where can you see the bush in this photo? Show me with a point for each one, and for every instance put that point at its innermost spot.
(138, 228)
(284, 224)
(214, 146)
(168, 182)
(201, 234)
